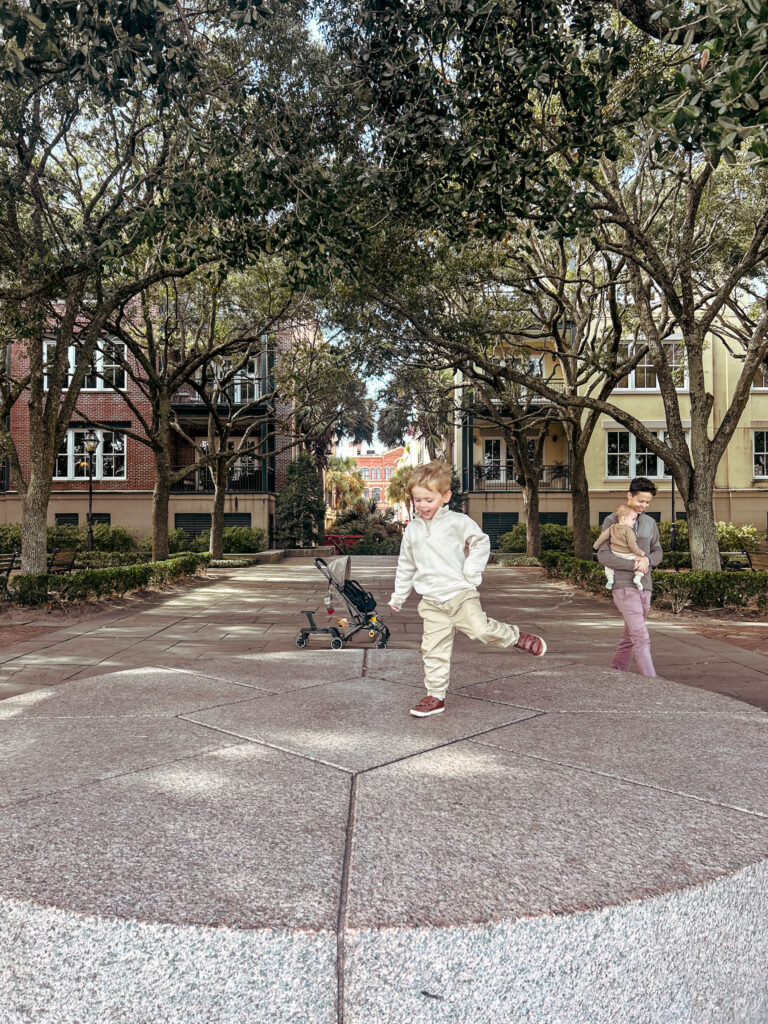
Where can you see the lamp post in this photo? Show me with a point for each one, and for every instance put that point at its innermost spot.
(91, 442)
(673, 527)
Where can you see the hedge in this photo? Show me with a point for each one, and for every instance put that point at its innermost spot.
(676, 590)
(375, 545)
(560, 538)
(87, 584)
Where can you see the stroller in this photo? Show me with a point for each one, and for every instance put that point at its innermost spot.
(360, 605)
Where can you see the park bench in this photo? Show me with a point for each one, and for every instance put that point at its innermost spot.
(7, 565)
(758, 560)
(62, 560)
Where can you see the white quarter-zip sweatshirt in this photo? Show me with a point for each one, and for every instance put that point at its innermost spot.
(440, 557)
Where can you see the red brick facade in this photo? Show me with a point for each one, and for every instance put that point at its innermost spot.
(377, 470)
(124, 478)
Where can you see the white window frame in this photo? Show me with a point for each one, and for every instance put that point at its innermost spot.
(756, 454)
(245, 384)
(646, 363)
(75, 459)
(632, 455)
(97, 366)
(763, 374)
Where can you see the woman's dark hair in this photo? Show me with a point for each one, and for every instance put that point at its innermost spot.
(642, 483)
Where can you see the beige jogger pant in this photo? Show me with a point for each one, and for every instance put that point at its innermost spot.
(441, 620)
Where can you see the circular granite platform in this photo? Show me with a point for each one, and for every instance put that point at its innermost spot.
(273, 839)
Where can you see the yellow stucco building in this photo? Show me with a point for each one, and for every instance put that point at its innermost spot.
(615, 456)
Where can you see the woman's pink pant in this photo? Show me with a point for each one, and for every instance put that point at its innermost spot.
(634, 606)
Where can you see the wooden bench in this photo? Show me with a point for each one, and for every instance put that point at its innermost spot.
(62, 560)
(758, 560)
(7, 565)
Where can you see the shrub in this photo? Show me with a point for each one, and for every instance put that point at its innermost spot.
(177, 541)
(515, 559)
(553, 538)
(88, 584)
(373, 544)
(738, 538)
(676, 560)
(10, 537)
(237, 540)
(675, 590)
(681, 532)
(66, 537)
(108, 559)
(111, 538)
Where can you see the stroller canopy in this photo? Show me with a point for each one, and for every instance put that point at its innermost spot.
(339, 570)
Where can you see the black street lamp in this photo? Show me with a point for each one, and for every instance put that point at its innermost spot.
(91, 442)
(673, 527)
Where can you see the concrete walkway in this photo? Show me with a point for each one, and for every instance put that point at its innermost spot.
(206, 825)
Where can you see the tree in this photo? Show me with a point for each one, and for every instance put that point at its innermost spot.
(328, 393)
(345, 482)
(300, 504)
(418, 403)
(557, 118)
(138, 142)
(549, 309)
(398, 488)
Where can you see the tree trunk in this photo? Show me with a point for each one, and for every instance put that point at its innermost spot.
(216, 545)
(34, 532)
(532, 524)
(705, 551)
(582, 538)
(160, 505)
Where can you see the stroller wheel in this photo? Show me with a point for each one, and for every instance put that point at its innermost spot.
(301, 641)
(337, 643)
(382, 643)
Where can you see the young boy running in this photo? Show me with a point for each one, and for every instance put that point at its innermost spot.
(442, 557)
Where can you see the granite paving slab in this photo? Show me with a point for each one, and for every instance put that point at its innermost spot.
(573, 688)
(471, 834)
(217, 839)
(279, 671)
(467, 667)
(716, 757)
(355, 724)
(135, 692)
(43, 755)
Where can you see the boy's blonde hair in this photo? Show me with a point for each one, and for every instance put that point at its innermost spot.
(624, 510)
(435, 476)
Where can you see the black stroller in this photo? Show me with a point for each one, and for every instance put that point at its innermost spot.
(360, 605)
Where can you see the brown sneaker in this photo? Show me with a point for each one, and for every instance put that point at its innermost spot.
(531, 644)
(428, 706)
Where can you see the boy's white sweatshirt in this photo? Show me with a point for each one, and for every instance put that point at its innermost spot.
(440, 557)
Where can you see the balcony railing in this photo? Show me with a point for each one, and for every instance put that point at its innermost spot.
(241, 391)
(239, 481)
(502, 478)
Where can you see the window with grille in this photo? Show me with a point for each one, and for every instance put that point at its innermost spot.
(645, 378)
(106, 371)
(108, 460)
(626, 456)
(760, 453)
(493, 458)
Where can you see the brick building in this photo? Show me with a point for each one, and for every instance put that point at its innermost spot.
(377, 469)
(123, 467)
